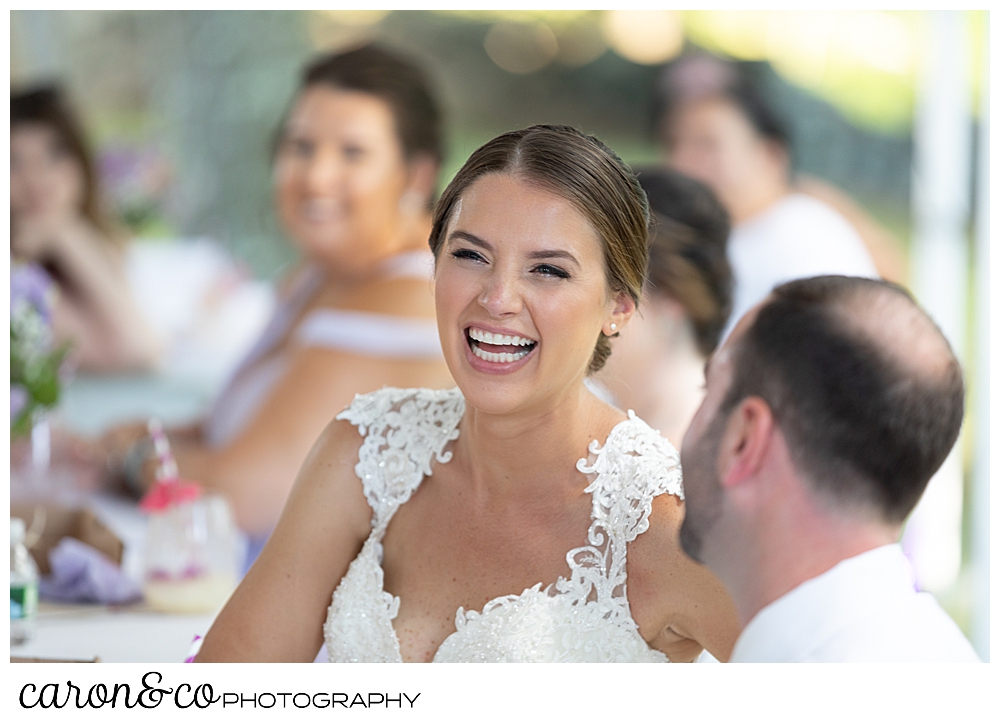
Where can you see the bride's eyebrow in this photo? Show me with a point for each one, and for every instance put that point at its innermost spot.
(553, 254)
(486, 246)
(471, 238)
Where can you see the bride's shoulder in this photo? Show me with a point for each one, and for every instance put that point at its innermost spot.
(653, 460)
(656, 467)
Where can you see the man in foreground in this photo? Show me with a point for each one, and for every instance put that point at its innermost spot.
(827, 411)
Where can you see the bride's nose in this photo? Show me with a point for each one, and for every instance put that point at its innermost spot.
(501, 294)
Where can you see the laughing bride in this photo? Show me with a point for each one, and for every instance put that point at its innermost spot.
(499, 521)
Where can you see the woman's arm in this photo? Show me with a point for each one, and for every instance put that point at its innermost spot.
(256, 470)
(96, 308)
(277, 612)
(679, 605)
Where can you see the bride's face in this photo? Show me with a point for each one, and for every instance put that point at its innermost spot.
(521, 295)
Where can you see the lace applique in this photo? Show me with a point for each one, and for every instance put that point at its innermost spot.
(358, 625)
(405, 430)
(635, 465)
(584, 618)
(538, 626)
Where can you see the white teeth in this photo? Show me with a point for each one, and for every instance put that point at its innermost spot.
(498, 358)
(498, 339)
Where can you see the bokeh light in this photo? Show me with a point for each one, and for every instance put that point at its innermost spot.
(644, 36)
(580, 42)
(519, 47)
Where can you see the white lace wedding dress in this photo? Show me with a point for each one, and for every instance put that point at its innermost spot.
(585, 618)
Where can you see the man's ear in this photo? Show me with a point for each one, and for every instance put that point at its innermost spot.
(745, 442)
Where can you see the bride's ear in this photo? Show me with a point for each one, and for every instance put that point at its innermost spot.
(623, 310)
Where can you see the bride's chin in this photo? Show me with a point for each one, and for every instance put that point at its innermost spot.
(493, 396)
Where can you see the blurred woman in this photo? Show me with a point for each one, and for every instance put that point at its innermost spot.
(718, 127)
(57, 222)
(658, 365)
(354, 174)
(516, 518)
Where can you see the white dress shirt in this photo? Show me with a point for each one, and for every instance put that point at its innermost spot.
(864, 609)
(795, 238)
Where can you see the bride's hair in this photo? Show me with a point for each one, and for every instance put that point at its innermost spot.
(585, 172)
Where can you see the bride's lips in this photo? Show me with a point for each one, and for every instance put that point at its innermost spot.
(497, 351)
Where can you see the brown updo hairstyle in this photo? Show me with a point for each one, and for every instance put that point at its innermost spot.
(687, 251)
(585, 172)
(47, 106)
(395, 80)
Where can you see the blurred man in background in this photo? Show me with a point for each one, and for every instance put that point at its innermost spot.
(827, 411)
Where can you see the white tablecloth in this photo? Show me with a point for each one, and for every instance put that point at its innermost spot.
(132, 634)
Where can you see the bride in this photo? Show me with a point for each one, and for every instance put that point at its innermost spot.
(499, 521)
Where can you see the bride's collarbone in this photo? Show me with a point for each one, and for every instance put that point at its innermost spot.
(438, 560)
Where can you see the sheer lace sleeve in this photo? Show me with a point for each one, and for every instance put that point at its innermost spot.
(634, 466)
(404, 431)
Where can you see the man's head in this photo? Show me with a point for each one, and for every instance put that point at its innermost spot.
(856, 380)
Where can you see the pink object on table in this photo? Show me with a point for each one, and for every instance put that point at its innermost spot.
(169, 492)
(169, 489)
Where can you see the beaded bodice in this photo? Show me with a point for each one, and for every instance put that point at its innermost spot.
(583, 618)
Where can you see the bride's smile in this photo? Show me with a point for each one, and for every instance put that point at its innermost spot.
(498, 348)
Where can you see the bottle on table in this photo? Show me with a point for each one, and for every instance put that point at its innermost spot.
(192, 552)
(23, 586)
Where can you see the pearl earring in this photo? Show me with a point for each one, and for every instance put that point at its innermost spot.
(614, 326)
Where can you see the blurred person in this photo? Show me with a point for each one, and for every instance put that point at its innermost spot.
(416, 503)
(658, 365)
(828, 409)
(717, 127)
(355, 169)
(58, 222)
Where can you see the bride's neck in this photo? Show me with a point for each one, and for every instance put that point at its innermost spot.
(514, 454)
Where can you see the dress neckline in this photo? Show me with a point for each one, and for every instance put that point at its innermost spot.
(377, 535)
(584, 615)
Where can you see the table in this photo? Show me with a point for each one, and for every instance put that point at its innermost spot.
(130, 634)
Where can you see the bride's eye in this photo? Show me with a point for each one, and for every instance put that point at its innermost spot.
(468, 254)
(553, 271)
